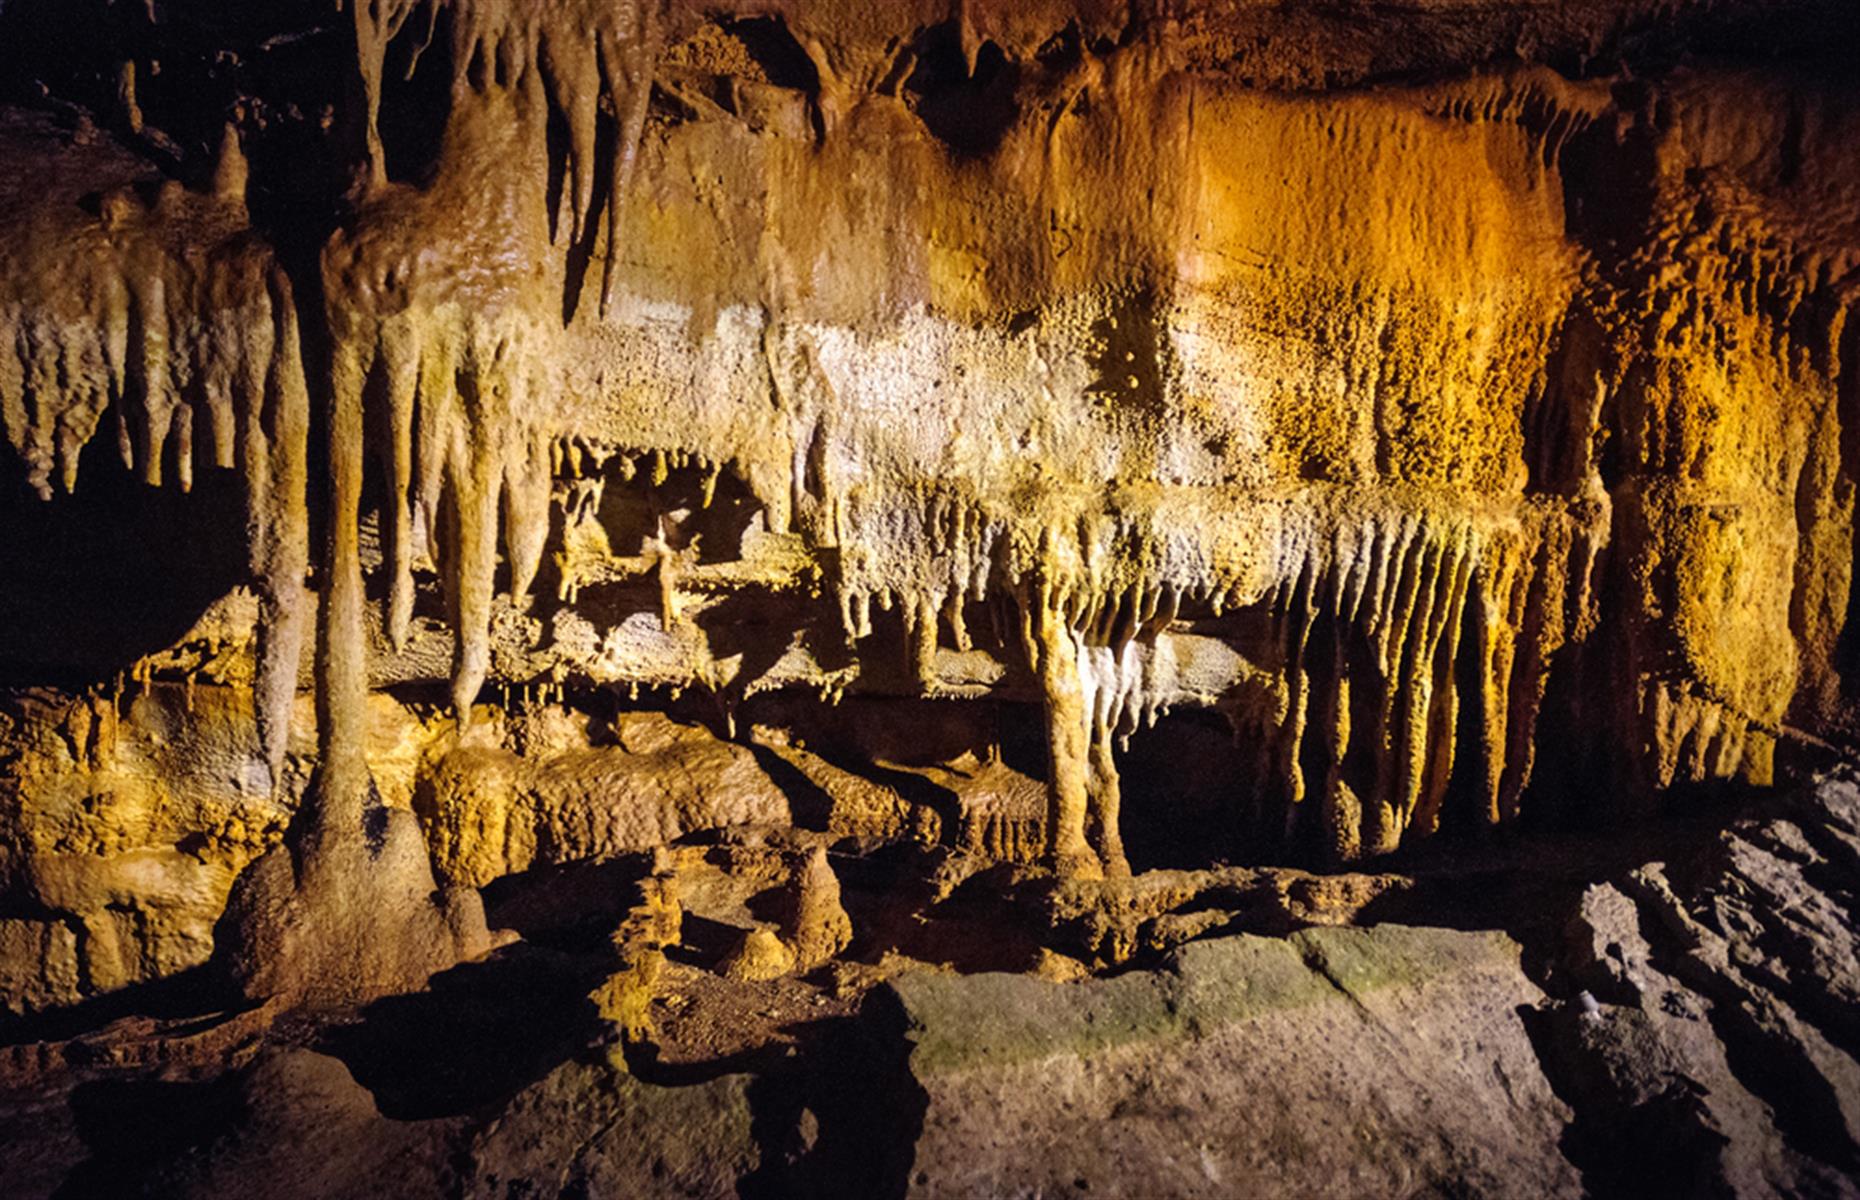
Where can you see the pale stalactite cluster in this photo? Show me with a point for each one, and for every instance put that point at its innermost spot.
(1400, 598)
(1400, 605)
(462, 348)
(170, 316)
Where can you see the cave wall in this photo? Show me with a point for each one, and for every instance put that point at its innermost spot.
(1416, 396)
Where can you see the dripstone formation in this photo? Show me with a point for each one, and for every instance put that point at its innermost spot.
(713, 512)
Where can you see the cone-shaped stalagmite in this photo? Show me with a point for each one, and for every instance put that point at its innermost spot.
(815, 925)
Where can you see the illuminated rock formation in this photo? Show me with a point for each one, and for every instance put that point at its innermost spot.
(1413, 420)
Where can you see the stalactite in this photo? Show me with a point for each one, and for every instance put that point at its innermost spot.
(586, 52)
(462, 361)
(466, 386)
(920, 636)
(174, 336)
(629, 46)
(1396, 594)
(274, 451)
(342, 647)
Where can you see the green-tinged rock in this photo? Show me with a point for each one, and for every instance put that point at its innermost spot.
(608, 1133)
(1386, 1061)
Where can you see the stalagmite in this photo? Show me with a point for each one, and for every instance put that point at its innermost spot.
(348, 910)
(1056, 663)
(814, 926)
(1103, 813)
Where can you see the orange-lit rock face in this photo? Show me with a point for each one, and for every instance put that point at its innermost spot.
(1113, 363)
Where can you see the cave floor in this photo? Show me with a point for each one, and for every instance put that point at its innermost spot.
(1212, 1032)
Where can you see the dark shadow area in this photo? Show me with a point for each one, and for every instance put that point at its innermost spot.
(703, 942)
(692, 507)
(193, 999)
(912, 788)
(645, 1062)
(810, 804)
(878, 740)
(782, 59)
(1663, 1146)
(132, 1126)
(416, 98)
(1023, 738)
(1527, 884)
(892, 895)
(281, 71)
(969, 112)
(96, 580)
(571, 908)
(1180, 779)
(580, 254)
(882, 733)
(605, 604)
(844, 1116)
(755, 625)
(479, 1034)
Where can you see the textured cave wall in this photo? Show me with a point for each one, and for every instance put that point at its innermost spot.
(1417, 391)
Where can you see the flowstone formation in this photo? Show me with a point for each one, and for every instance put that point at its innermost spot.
(733, 502)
